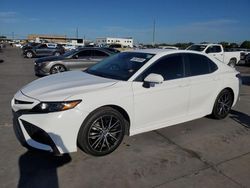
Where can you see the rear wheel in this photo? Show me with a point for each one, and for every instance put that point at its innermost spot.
(57, 68)
(223, 104)
(232, 62)
(102, 132)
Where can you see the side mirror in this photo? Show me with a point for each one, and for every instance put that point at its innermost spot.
(152, 79)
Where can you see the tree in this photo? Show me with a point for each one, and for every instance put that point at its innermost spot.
(245, 44)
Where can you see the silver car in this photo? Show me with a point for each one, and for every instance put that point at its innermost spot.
(78, 59)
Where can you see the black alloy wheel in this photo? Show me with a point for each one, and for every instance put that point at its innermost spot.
(223, 104)
(102, 132)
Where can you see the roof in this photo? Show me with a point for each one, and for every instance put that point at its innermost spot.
(153, 50)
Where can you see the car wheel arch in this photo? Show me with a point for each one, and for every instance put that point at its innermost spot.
(121, 110)
(226, 88)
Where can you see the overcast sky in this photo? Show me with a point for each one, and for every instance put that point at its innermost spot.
(176, 20)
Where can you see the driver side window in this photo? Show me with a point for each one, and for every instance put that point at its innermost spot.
(43, 46)
(84, 54)
(170, 67)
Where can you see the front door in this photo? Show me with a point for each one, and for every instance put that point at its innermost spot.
(155, 106)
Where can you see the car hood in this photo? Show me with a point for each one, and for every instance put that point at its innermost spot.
(49, 58)
(61, 86)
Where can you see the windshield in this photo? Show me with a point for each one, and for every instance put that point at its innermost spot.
(120, 66)
(198, 48)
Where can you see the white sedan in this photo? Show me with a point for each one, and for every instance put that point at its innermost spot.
(129, 93)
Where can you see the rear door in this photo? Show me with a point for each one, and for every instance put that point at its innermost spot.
(80, 60)
(203, 83)
(216, 51)
(42, 50)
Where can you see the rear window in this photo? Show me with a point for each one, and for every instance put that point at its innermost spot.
(199, 65)
(197, 48)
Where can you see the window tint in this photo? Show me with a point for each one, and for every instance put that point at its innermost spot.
(170, 67)
(99, 53)
(199, 65)
(213, 67)
(43, 46)
(213, 49)
(84, 53)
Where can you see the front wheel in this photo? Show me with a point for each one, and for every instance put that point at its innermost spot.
(57, 68)
(223, 104)
(57, 54)
(29, 54)
(102, 132)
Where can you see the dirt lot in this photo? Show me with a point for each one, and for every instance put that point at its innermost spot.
(201, 153)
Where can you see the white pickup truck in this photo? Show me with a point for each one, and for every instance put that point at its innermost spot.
(217, 51)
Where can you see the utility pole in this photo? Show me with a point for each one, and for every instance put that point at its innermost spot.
(12, 35)
(153, 34)
(77, 32)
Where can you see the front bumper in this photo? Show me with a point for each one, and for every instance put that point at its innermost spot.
(53, 132)
(36, 134)
(39, 71)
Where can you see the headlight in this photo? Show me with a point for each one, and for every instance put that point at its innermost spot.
(46, 107)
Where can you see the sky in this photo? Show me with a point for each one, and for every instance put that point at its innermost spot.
(175, 20)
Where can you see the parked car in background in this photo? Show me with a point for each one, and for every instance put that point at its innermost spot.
(18, 45)
(43, 50)
(127, 93)
(169, 47)
(217, 51)
(247, 59)
(69, 47)
(28, 45)
(119, 47)
(78, 59)
(111, 49)
(52, 45)
(244, 56)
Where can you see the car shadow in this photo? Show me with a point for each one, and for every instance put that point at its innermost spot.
(39, 169)
(240, 117)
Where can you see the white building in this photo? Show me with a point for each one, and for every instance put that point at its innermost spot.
(126, 42)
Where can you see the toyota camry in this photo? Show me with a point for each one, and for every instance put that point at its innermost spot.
(126, 94)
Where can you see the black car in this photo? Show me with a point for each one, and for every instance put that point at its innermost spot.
(30, 44)
(42, 50)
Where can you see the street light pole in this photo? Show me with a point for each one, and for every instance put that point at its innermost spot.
(154, 33)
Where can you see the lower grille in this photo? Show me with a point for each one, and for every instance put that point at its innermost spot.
(39, 135)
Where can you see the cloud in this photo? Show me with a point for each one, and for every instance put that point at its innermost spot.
(214, 23)
(8, 17)
(211, 31)
(14, 17)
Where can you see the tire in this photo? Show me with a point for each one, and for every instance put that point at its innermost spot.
(102, 132)
(232, 62)
(57, 69)
(57, 54)
(223, 104)
(29, 54)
